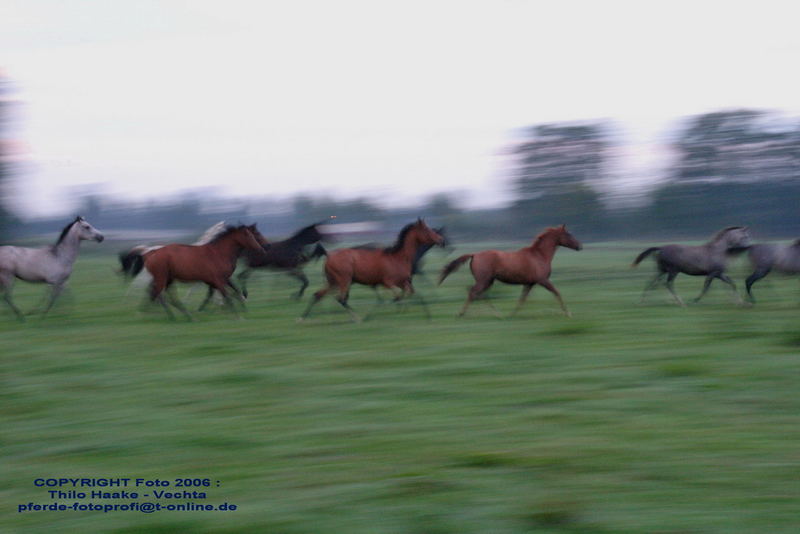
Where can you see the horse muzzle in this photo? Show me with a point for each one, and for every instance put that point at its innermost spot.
(99, 238)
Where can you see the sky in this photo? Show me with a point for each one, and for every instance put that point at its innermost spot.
(390, 100)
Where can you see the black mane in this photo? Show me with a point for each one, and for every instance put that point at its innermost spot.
(65, 231)
(306, 235)
(398, 244)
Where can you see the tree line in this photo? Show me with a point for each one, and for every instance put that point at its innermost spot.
(735, 167)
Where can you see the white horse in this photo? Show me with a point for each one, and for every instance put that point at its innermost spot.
(51, 265)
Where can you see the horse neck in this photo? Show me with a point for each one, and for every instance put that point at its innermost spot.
(67, 249)
(717, 245)
(409, 249)
(546, 246)
(226, 247)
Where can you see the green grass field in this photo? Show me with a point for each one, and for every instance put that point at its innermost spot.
(624, 419)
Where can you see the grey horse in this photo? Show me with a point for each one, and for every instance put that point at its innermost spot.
(709, 260)
(51, 265)
(768, 257)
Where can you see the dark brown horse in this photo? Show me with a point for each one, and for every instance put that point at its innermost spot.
(212, 264)
(289, 255)
(527, 266)
(390, 267)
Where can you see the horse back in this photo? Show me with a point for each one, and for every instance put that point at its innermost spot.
(365, 266)
(32, 264)
(693, 260)
(518, 267)
(187, 263)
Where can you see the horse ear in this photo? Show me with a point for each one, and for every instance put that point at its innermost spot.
(564, 226)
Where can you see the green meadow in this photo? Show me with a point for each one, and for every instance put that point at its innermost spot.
(627, 418)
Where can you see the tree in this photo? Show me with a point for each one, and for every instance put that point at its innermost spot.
(557, 169)
(744, 145)
(5, 155)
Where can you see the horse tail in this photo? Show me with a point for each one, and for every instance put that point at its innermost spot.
(453, 265)
(132, 263)
(643, 255)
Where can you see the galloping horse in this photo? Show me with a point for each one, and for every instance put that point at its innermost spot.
(390, 267)
(212, 263)
(129, 257)
(288, 255)
(527, 266)
(52, 265)
(767, 257)
(416, 266)
(709, 259)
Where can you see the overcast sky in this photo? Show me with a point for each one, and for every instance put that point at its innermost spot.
(395, 100)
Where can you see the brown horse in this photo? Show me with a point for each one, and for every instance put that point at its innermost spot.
(527, 266)
(390, 267)
(212, 263)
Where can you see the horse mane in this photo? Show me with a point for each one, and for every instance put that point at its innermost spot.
(543, 233)
(65, 231)
(717, 236)
(301, 232)
(211, 234)
(229, 229)
(398, 244)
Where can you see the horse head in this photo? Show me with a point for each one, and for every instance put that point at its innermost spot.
(566, 239)
(259, 237)
(736, 238)
(425, 235)
(86, 231)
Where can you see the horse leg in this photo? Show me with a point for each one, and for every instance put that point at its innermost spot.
(548, 285)
(300, 275)
(157, 287)
(236, 292)
(752, 279)
(226, 298)
(474, 292)
(725, 278)
(209, 295)
(173, 299)
(5, 288)
(652, 284)
(670, 279)
(243, 276)
(54, 293)
(316, 298)
(424, 304)
(408, 291)
(344, 294)
(523, 296)
(706, 285)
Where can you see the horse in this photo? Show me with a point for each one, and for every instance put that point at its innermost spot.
(416, 266)
(527, 267)
(709, 259)
(390, 267)
(128, 258)
(51, 265)
(768, 257)
(212, 264)
(289, 255)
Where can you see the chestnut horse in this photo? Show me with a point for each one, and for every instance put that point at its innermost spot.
(390, 267)
(527, 266)
(212, 263)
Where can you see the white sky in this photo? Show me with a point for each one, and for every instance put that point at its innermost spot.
(377, 98)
